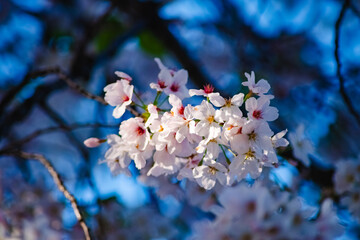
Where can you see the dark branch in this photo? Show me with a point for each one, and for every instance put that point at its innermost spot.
(15, 90)
(18, 143)
(344, 95)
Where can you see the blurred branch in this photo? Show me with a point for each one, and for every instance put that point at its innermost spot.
(40, 95)
(147, 12)
(59, 183)
(62, 76)
(354, 9)
(35, 134)
(15, 90)
(344, 95)
(60, 121)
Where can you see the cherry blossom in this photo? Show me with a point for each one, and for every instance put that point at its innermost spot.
(207, 143)
(229, 107)
(302, 146)
(170, 81)
(119, 94)
(260, 88)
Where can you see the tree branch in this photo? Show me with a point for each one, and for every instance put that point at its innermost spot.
(37, 133)
(60, 185)
(344, 95)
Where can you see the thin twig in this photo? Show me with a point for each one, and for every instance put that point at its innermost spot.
(60, 185)
(40, 132)
(78, 88)
(344, 95)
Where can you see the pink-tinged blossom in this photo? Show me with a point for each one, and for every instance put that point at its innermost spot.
(207, 174)
(134, 132)
(119, 94)
(260, 88)
(259, 109)
(208, 89)
(117, 157)
(229, 107)
(190, 163)
(177, 106)
(301, 145)
(170, 81)
(204, 131)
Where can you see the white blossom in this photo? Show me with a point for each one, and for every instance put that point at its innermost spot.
(119, 94)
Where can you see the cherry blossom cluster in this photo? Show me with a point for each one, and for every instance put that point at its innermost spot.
(257, 213)
(347, 184)
(220, 140)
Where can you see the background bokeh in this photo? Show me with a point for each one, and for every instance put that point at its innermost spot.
(288, 42)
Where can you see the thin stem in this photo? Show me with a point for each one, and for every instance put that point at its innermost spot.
(226, 157)
(163, 101)
(235, 155)
(158, 94)
(138, 97)
(202, 159)
(40, 132)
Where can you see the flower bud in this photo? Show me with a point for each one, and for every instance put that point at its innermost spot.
(92, 142)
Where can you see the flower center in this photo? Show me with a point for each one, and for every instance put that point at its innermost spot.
(212, 170)
(174, 87)
(181, 110)
(140, 131)
(239, 131)
(161, 84)
(257, 114)
(210, 119)
(249, 154)
(228, 102)
(125, 98)
(252, 136)
(208, 88)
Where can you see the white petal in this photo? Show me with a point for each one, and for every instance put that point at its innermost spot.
(119, 111)
(237, 99)
(216, 99)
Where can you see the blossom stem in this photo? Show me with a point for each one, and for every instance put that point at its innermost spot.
(249, 95)
(158, 94)
(226, 157)
(202, 159)
(230, 151)
(163, 101)
(138, 97)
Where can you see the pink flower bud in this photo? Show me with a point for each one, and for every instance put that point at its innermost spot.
(92, 142)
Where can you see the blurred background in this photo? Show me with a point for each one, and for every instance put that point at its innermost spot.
(288, 42)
